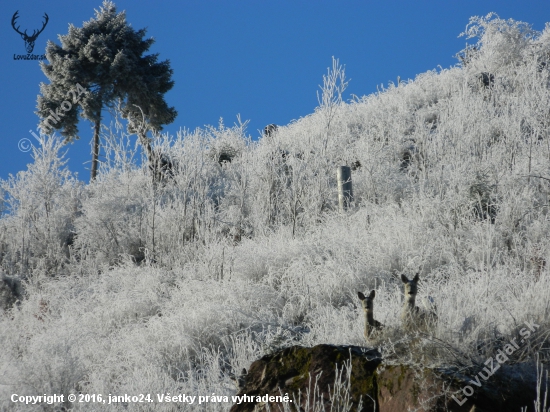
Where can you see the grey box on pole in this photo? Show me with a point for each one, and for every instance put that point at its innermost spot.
(345, 191)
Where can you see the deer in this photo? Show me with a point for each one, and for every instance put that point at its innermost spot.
(413, 318)
(29, 40)
(372, 326)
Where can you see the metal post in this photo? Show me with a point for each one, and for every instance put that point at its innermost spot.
(345, 191)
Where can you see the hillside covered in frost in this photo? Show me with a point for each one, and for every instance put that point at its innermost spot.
(129, 286)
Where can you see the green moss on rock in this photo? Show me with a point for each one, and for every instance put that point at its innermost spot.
(381, 387)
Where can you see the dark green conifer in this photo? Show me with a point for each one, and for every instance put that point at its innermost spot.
(100, 65)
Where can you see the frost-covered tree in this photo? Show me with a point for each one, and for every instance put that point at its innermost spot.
(100, 65)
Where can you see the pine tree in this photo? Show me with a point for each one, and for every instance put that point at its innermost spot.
(98, 66)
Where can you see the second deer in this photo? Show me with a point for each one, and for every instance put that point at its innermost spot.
(412, 317)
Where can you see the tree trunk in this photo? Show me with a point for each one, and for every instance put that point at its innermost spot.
(146, 145)
(95, 149)
(153, 162)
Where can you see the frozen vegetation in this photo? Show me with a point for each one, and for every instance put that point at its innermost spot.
(131, 287)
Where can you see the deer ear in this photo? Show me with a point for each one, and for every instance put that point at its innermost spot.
(361, 296)
(372, 294)
(416, 277)
(404, 278)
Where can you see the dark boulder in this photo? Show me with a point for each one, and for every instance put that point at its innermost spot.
(224, 158)
(11, 291)
(289, 371)
(487, 80)
(270, 130)
(320, 378)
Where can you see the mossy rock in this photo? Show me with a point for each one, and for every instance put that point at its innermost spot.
(376, 385)
(290, 370)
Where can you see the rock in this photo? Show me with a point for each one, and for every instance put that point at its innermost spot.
(379, 386)
(11, 290)
(402, 388)
(289, 371)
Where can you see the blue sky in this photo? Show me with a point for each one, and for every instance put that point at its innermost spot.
(262, 59)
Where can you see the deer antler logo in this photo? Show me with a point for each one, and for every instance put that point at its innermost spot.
(29, 40)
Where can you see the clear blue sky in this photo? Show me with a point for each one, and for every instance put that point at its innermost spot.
(262, 59)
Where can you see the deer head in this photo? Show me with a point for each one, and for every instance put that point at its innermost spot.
(29, 40)
(411, 288)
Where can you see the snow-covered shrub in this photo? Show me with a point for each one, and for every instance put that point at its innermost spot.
(40, 207)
